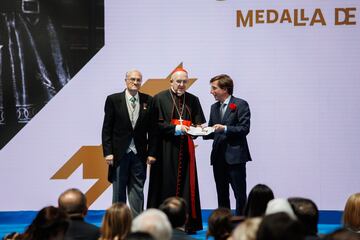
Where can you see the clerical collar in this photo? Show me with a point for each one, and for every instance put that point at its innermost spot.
(128, 95)
(173, 91)
(227, 100)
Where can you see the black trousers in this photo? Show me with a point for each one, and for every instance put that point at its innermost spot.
(234, 175)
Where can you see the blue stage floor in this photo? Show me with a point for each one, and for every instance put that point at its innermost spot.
(19, 220)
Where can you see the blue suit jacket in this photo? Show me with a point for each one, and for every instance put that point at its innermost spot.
(231, 146)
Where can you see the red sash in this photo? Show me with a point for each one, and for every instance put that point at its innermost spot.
(191, 148)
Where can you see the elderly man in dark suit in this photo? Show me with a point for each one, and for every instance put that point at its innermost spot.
(128, 140)
(73, 202)
(230, 117)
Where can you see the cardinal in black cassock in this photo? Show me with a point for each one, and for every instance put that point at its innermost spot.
(174, 172)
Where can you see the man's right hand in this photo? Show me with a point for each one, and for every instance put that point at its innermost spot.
(181, 130)
(109, 159)
(184, 129)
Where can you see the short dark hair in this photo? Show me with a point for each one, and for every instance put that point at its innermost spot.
(73, 201)
(176, 211)
(307, 213)
(225, 82)
(280, 226)
(219, 223)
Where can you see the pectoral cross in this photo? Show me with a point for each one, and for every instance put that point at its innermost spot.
(181, 121)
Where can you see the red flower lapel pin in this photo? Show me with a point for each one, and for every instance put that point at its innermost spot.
(232, 106)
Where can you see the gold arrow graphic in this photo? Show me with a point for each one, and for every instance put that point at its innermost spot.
(94, 167)
(91, 157)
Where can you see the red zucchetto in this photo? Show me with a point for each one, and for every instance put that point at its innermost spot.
(179, 69)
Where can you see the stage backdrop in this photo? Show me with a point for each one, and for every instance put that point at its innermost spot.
(295, 62)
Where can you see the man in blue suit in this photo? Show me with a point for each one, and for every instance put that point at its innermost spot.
(230, 117)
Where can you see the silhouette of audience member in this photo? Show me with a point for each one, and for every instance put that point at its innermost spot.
(154, 222)
(73, 202)
(308, 214)
(219, 224)
(342, 234)
(116, 222)
(139, 236)
(50, 223)
(175, 209)
(280, 226)
(351, 216)
(247, 230)
(257, 201)
(278, 205)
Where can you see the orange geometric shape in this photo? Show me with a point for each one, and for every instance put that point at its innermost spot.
(94, 167)
(156, 85)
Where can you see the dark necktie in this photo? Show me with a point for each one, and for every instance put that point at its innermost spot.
(222, 110)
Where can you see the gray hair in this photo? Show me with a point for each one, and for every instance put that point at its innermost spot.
(154, 222)
(280, 205)
(131, 71)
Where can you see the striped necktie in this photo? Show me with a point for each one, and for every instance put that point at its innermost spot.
(133, 102)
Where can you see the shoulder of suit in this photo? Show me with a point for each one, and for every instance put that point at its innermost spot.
(145, 96)
(115, 95)
(214, 104)
(239, 100)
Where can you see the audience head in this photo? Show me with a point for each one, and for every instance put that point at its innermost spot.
(342, 234)
(257, 201)
(351, 215)
(307, 213)
(73, 202)
(280, 205)
(116, 222)
(247, 229)
(50, 223)
(154, 222)
(176, 211)
(219, 224)
(280, 226)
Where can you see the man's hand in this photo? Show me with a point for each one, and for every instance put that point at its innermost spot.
(181, 130)
(219, 128)
(150, 160)
(184, 129)
(109, 159)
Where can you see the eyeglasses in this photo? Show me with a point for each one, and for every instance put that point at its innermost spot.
(133, 80)
(179, 82)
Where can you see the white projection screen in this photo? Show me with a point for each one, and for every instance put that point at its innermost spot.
(295, 62)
